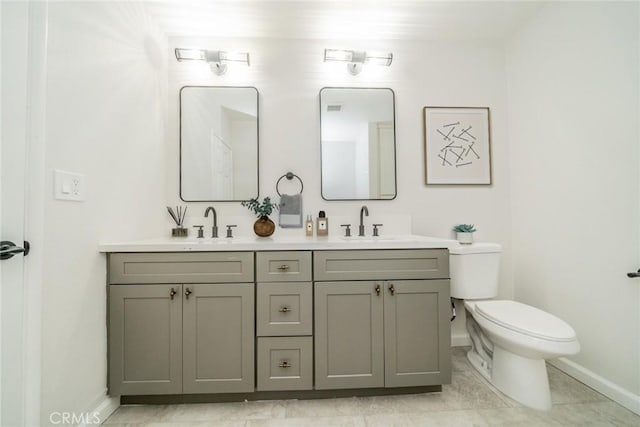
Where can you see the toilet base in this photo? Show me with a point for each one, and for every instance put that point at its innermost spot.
(480, 364)
(521, 378)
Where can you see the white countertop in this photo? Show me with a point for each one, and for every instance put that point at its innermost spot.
(278, 244)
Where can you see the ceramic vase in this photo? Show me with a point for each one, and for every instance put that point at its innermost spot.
(264, 227)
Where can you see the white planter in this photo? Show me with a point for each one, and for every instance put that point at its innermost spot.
(464, 238)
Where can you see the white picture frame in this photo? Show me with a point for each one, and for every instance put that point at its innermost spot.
(457, 145)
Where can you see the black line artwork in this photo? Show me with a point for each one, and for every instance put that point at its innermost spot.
(457, 145)
(457, 140)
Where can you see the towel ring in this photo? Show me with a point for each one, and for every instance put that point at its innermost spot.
(289, 176)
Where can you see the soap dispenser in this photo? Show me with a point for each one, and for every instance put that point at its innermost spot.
(322, 224)
(309, 226)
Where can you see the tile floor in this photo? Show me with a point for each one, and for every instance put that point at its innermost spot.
(468, 401)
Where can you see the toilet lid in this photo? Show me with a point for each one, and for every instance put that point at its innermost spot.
(525, 319)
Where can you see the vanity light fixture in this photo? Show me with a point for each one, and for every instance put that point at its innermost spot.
(217, 59)
(356, 58)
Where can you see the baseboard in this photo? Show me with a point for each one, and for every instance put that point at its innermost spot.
(101, 410)
(460, 340)
(602, 385)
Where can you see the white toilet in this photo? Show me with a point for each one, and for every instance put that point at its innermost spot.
(510, 340)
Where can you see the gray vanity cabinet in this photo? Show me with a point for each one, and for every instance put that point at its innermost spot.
(382, 333)
(271, 321)
(183, 336)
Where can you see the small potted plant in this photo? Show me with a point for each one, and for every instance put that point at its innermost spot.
(263, 227)
(464, 233)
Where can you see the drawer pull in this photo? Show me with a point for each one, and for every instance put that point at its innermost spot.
(284, 309)
(187, 292)
(284, 364)
(283, 267)
(392, 289)
(172, 292)
(378, 289)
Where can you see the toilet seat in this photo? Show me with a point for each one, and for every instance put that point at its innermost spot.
(526, 320)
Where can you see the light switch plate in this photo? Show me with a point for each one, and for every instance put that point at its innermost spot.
(68, 185)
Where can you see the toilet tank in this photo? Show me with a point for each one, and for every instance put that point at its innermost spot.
(474, 270)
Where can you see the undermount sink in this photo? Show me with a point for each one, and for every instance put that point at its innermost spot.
(220, 241)
(371, 239)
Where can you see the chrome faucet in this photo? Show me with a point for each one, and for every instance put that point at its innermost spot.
(214, 229)
(363, 210)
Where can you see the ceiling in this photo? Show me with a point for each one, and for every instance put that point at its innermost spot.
(344, 20)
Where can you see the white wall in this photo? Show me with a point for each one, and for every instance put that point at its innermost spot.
(574, 139)
(106, 110)
(289, 75)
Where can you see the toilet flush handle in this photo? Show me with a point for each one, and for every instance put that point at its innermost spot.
(636, 274)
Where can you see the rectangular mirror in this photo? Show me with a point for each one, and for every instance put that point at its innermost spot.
(218, 143)
(357, 143)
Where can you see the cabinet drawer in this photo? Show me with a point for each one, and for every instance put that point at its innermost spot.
(294, 266)
(284, 309)
(381, 264)
(202, 267)
(285, 363)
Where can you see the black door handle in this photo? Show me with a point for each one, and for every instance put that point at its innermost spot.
(636, 274)
(8, 249)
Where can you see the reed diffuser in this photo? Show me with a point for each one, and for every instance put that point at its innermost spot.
(178, 217)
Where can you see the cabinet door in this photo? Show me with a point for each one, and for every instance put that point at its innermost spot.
(218, 338)
(145, 339)
(417, 333)
(349, 347)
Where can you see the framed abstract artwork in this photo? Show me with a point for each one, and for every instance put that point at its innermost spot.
(457, 145)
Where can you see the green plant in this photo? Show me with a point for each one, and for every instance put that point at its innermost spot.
(260, 209)
(464, 228)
